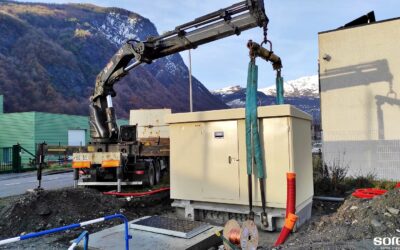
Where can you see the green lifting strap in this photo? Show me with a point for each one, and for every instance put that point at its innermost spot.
(253, 145)
(279, 88)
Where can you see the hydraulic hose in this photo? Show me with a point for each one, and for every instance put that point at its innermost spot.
(138, 194)
(287, 228)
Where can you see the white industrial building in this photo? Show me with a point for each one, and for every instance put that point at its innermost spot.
(360, 91)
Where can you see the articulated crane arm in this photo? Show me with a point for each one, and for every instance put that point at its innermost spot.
(214, 26)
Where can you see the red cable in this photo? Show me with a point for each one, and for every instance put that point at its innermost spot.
(137, 194)
(368, 193)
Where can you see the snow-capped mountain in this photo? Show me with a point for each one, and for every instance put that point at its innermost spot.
(118, 28)
(301, 92)
(303, 86)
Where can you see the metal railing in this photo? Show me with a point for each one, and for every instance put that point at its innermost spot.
(73, 226)
(83, 235)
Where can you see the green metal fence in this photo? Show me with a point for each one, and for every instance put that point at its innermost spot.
(6, 160)
(11, 161)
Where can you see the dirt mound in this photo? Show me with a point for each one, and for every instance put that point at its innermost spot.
(48, 209)
(356, 219)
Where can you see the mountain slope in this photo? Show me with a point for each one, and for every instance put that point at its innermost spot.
(302, 93)
(50, 56)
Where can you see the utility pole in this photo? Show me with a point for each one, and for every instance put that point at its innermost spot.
(190, 82)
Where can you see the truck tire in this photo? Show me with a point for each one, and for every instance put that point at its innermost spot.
(150, 178)
(157, 172)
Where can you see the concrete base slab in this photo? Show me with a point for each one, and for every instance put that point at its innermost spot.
(113, 238)
(170, 226)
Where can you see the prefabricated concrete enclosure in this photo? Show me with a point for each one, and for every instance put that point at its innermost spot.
(208, 160)
(150, 122)
(360, 106)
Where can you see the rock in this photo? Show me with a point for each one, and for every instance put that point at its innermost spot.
(43, 210)
(393, 210)
(390, 224)
(354, 222)
(353, 208)
(376, 223)
(387, 214)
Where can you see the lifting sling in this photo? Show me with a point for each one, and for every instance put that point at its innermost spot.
(254, 156)
(253, 145)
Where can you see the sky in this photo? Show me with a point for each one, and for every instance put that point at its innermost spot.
(293, 30)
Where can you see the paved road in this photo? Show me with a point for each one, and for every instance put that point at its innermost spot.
(14, 184)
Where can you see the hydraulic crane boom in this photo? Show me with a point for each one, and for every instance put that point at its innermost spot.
(214, 26)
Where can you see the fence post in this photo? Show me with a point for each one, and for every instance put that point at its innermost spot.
(16, 158)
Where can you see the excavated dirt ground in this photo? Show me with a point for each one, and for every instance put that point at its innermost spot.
(353, 225)
(349, 225)
(32, 212)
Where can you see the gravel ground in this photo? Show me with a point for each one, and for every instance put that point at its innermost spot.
(353, 226)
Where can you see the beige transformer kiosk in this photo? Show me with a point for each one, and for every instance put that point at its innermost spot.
(208, 163)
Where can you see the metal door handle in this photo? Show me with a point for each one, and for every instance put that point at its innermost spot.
(230, 159)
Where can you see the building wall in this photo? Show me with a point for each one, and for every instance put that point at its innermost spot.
(17, 128)
(1, 104)
(53, 128)
(360, 109)
(31, 128)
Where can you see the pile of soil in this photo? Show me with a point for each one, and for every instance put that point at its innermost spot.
(34, 212)
(356, 219)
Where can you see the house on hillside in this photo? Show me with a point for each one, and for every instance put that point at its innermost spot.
(360, 98)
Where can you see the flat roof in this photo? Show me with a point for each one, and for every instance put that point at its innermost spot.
(285, 110)
(361, 25)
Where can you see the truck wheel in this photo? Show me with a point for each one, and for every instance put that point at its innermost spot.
(158, 172)
(150, 175)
